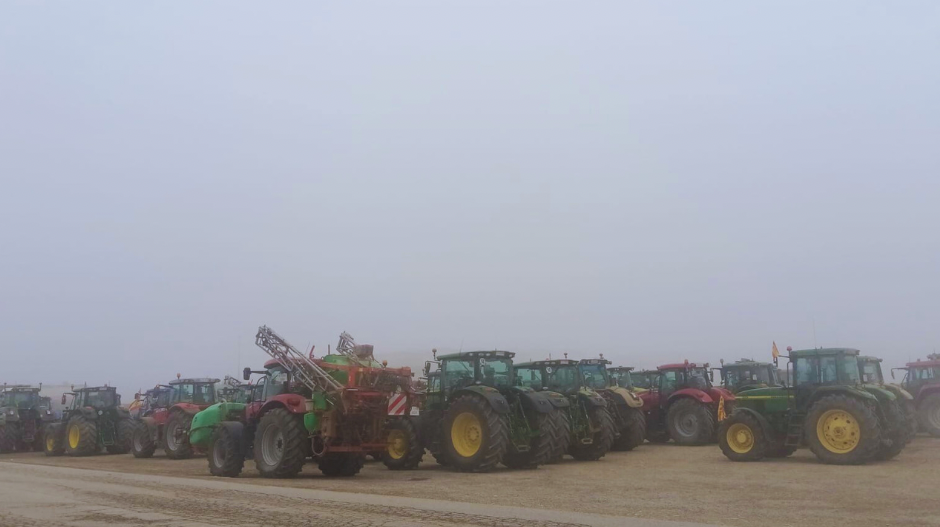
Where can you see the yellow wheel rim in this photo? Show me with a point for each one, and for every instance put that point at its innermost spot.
(740, 438)
(467, 434)
(397, 444)
(838, 431)
(50, 443)
(75, 435)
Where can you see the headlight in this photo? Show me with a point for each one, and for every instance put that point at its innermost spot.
(48, 412)
(11, 412)
(100, 412)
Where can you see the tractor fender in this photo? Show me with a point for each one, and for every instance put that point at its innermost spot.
(293, 403)
(492, 396)
(592, 398)
(122, 413)
(718, 393)
(696, 394)
(899, 392)
(558, 400)
(625, 396)
(883, 394)
(925, 391)
(187, 408)
(764, 423)
(823, 391)
(205, 421)
(533, 399)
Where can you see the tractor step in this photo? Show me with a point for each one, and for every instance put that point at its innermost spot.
(587, 441)
(795, 430)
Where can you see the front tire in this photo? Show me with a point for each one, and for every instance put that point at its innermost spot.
(8, 438)
(633, 434)
(142, 443)
(124, 432)
(742, 438)
(541, 447)
(81, 436)
(404, 451)
(226, 454)
(280, 444)
(176, 436)
(601, 439)
(928, 414)
(842, 430)
(691, 422)
(475, 436)
(53, 444)
(340, 464)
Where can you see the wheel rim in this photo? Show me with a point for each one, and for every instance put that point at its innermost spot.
(838, 431)
(397, 444)
(272, 446)
(467, 434)
(687, 424)
(50, 443)
(740, 438)
(934, 416)
(171, 442)
(218, 454)
(75, 436)
(138, 445)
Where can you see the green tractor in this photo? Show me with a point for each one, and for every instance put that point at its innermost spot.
(626, 377)
(589, 425)
(233, 391)
(625, 406)
(475, 417)
(828, 408)
(747, 374)
(23, 415)
(901, 414)
(94, 421)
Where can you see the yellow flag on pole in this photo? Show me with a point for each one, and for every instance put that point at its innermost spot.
(721, 410)
(774, 352)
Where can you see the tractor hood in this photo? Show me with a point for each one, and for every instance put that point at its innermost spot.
(629, 398)
(205, 421)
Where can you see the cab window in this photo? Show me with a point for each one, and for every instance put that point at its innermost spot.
(529, 377)
(457, 374)
(668, 381)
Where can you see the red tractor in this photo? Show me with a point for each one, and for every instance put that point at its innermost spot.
(923, 382)
(167, 425)
(684, 406)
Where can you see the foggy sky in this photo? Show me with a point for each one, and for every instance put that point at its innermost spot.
(653, 182)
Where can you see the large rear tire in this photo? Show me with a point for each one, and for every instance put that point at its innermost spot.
(633, 434)
(475, 436)
(340, 464)
(8, 438)
(81, 436)
(690, 422)
(404, 451)
(226, 454)
(124, 432)
(53, 441)
(540, 447)
(928, 414)
(842, 430)
(602, 438)
(895, 430)
(280, 444)
(176, 436)
(742, 438)
(562, 434)
(142, 443)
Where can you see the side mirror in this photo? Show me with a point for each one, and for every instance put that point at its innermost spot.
(892, 374)
(63, 398)
(246, 374)
(427, 368)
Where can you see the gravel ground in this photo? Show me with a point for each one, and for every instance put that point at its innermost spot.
(663, 482)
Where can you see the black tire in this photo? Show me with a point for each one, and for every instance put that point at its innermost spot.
(659, 437)
(124, 432)
(928, 414)
(39, 440)
(602, 439)
(860, 416)
(562, 433)
(742, 438)
(489, 428)
(85, 443)
(780, 451)
(633, 434)
(541, 446)
(894, 432)
(439, 455)
(226, 453)
(281, 444)
(53, 440)
(690, 422)
(910, 416)
(9, 435)
(142, 443)
(340, 464)
(176, 436)
(404, 446)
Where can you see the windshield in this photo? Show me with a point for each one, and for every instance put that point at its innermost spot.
(529, 377)
(100, 398)
(562, 378)
(496, 372)
(595, 376)
(736, 377)
(621, 378)
(457, 374)
(871, 372)
(641, 380)
(849, 367)
(21, 399)
(195, 393)
(277, 382)
(698, 378)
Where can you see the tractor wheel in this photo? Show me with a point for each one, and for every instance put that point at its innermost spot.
(475, 436)
(226, 456)
(8, 436)
(404, 451)
(928, 414)
(142, 443)
(895, 430)
(741, 438)
(123, 437)
(601, 440)
(540, 447)
(81, 436)
(176, 436)
(340, 464)
(562, 433)
(910, 417)
(633, 434)
(53, 444)
(39, 442)
(690, 422)
(842, 430)
(280, 444)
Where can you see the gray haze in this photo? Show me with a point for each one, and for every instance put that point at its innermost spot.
(654, 181)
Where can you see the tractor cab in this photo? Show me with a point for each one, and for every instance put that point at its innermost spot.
(921, 373)
(561, 376)
(476, 368)
(676, 377)
(19, 398)
(645, 379)
(622, 376)
(746, 374)
(23, 412)
(99, 397)
(199, 392)
(870, 370)
(594, 373)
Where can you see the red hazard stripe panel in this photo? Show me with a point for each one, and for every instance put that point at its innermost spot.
(397, 404)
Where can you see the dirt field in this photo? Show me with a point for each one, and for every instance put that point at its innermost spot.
(661, 482)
